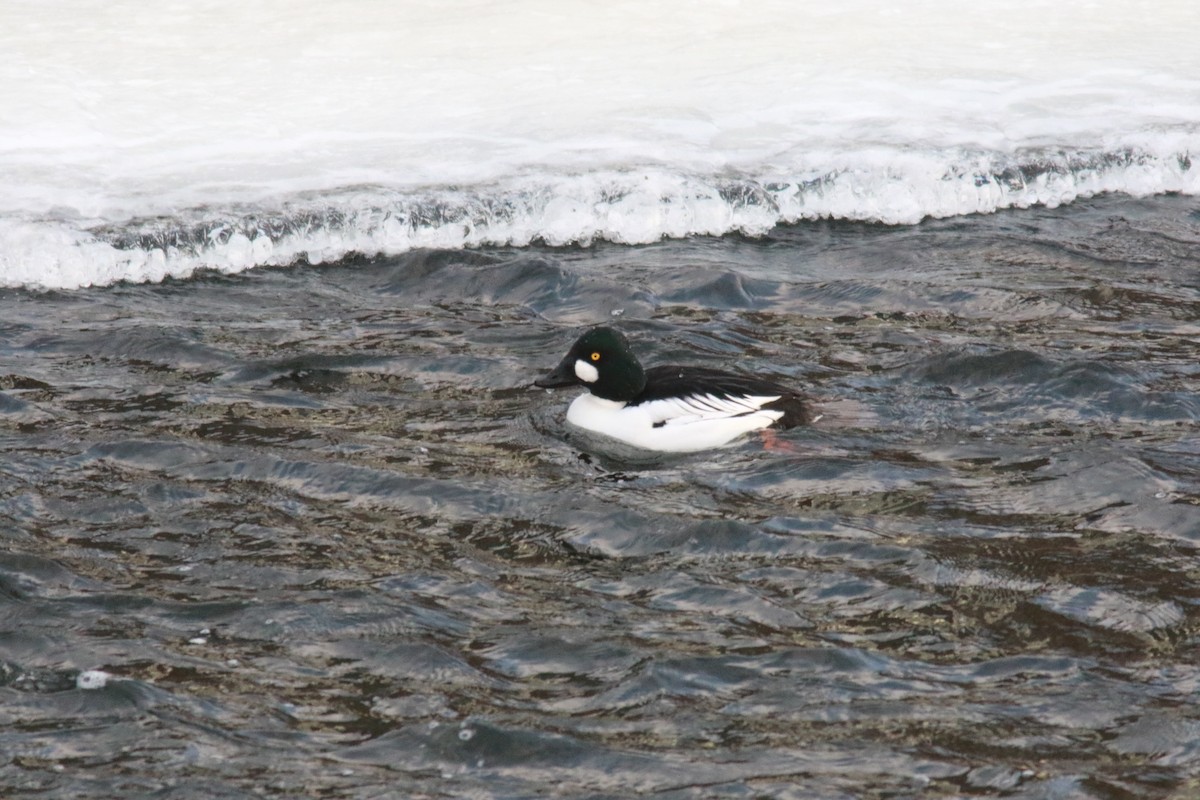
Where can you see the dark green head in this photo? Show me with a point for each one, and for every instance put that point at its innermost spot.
(602, 361)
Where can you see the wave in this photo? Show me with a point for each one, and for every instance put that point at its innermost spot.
(631, 206)
(233, 141)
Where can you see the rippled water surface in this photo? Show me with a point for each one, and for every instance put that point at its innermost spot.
(325, 541)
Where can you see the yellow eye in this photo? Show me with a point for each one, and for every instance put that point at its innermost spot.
(595, 356)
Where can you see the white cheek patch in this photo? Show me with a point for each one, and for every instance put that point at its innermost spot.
(586, 372)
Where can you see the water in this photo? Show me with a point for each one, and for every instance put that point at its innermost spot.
(281, 515)
(325, 539)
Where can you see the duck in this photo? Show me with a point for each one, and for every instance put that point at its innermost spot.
(671, 408)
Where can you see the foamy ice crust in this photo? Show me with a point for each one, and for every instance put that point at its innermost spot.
(141, 143)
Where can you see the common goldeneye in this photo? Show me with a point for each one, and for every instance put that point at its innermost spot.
(670, 408)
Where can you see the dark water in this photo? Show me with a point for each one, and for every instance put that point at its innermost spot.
(327, 543)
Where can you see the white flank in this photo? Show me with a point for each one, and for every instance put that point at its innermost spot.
(680, 425)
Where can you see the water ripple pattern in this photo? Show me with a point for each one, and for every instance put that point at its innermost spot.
(308, 531)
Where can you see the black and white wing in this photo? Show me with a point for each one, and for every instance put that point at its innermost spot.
(680, 395)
